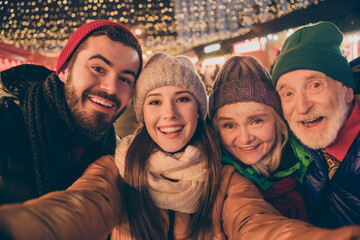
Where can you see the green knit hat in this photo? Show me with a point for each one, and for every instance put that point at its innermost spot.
(315, 47)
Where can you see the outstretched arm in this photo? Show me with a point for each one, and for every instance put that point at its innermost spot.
(246, 215)
(89, 209)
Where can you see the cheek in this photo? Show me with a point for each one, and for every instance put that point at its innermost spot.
(192, 115)
(286, 107)
(148, 117)
(226, 138)
(125, 98)
(193, 125)
(269, 135)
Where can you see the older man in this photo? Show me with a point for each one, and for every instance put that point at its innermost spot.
(316, 87)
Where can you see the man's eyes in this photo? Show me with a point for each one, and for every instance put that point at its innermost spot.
(98, 69)
(125, 80)
(286, 94)
(315, 85)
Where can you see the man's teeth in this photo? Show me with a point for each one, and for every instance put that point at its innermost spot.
(101, 102)
(170, 129)
(308, 122)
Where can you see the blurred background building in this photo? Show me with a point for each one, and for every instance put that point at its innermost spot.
(208, 31)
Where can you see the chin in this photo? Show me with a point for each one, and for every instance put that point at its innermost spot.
(316, 140)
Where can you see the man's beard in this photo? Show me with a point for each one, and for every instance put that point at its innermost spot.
(320, 139)
(95, 122)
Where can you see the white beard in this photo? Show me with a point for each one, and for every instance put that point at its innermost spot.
(320, 139)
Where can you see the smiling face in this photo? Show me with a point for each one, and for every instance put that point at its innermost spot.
(315, 106)
(170, 116)
(101, 82)
(247, 130)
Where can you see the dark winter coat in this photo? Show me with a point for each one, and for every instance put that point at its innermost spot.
(336, 202)
(26, 124)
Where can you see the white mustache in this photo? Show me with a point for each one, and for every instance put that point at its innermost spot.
(314, 113)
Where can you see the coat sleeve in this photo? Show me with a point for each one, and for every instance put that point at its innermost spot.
(246, 215)
(89, 209)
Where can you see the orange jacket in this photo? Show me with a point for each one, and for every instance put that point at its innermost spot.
(90, 209)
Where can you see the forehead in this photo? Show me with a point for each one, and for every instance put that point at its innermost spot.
(116, 52)
(243, 109)
(299, 77)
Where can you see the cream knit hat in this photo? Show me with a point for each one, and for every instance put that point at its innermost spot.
(165, 70)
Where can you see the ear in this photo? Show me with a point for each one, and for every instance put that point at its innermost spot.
(349, 94)
(63, 75)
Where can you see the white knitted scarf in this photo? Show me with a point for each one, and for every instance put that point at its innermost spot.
(175, 180)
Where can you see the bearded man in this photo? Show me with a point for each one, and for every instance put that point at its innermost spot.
(54, 124)
(316, 88)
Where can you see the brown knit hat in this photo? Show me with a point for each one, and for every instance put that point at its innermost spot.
(243, 79)
(82, 33)
(165, 70)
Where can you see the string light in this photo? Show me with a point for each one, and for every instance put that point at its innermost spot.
(45, 25)
(49, 23)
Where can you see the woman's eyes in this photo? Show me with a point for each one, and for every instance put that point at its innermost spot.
(154, 102)
(228, 125)
(177, 100)
(183, 99)
(257, 121)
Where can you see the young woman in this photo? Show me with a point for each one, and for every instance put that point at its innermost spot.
(171, 181)
(246, 113)
(172, 185)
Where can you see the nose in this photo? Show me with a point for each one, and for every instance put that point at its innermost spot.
(244, 135)
(168, 110)
(110, 84)
(303, 103)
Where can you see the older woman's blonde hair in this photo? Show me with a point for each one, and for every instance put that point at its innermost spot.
(272, 159)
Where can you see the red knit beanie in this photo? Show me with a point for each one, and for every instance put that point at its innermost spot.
(81, 33)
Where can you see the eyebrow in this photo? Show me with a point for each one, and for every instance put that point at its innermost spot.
(316, 75)
(98, 56)
(158, 94)
(250, 117)
(308, 77)
(107, 62)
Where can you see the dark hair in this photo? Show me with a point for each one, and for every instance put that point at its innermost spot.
(145, 218)
(115, 34)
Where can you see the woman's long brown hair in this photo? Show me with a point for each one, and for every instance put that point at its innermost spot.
(145, 219)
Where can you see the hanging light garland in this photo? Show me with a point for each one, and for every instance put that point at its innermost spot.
(45, 25)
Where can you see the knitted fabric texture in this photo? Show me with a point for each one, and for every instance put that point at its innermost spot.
(243, 79)
(175, 181)
(165, 70)
(81, 34)
(286, 198)
(315, 47)
(52, 131)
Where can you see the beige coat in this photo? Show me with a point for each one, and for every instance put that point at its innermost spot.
(90, 209)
